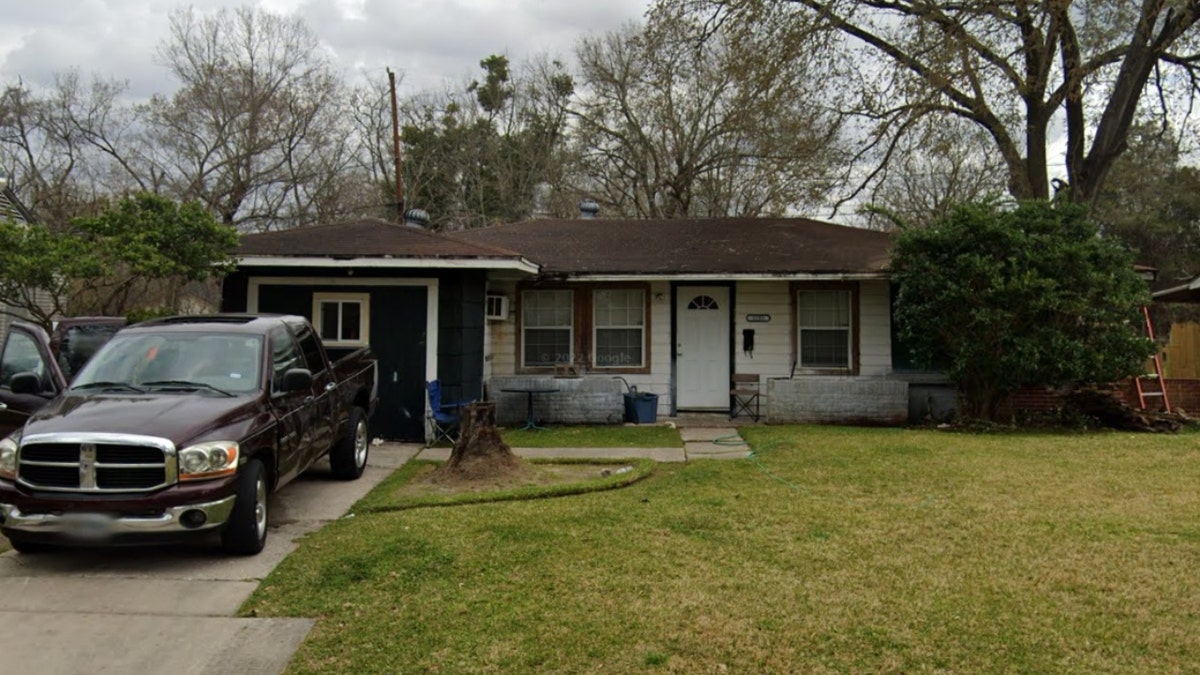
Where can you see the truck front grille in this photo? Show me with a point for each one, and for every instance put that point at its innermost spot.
(103, 463)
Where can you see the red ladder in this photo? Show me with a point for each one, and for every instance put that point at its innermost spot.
(1157, 376)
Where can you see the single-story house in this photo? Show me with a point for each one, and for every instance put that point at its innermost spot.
(589, 306)
(675, 307)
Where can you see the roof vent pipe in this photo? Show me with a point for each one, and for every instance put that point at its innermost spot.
(416, 218)
(588, 208)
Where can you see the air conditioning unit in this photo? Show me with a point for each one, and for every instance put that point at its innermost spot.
(496, 308)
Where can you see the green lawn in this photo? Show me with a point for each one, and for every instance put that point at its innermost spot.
(832, 550)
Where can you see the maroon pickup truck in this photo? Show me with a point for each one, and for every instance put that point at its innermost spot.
(181, 427)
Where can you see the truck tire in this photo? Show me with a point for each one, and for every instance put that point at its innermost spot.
(348, 457)
(246, 531)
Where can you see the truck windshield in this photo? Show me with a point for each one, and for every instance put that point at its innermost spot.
(209, 361)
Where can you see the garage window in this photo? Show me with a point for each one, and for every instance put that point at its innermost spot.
(342, 319)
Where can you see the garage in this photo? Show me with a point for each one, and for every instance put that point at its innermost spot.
(415, 298)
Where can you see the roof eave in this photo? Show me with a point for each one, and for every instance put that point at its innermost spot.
(1189, 292)
(517, 264)
(721, 276)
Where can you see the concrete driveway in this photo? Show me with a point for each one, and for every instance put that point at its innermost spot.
(168, 610)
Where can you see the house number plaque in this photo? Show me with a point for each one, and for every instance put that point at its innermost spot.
(758, 318)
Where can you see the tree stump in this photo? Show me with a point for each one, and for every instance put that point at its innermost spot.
(479, 454)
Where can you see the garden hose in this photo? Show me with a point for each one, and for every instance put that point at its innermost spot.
(753, 458)
(731, 439)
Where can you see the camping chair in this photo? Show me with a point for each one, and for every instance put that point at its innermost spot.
(744, 392)
(443, 417)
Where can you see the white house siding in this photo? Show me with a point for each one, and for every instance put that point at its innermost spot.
(772, 358)
(772, 355)
(875, 334)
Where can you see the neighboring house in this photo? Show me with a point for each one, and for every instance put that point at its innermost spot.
(416, 298)
(11, 209)
(673, 307)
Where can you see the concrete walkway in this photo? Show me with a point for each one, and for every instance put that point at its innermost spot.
(713, 443)
(168, 609)
(698, 443)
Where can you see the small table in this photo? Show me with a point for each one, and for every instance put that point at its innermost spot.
(529, 392)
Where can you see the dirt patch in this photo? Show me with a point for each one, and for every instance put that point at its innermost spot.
(534, 475)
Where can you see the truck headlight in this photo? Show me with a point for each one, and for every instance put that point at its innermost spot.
(208, 460)
(8, 458)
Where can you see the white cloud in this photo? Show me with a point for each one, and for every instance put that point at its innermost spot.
(430, 41)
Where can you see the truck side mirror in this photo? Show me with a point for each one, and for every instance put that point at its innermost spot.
(297, 379)
(26, 383)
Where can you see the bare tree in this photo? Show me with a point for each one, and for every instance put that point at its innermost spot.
(373, 181)
(254, 129)
(1014, 69)
(670, 126)
(69, 145)
(945, 162)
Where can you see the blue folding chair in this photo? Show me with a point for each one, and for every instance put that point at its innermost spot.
(444, 417)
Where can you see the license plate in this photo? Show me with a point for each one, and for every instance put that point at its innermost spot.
(88, 526)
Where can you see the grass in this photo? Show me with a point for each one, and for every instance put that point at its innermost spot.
(833, 550)
(607, 436)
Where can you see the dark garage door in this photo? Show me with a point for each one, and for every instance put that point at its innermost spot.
(398, 321)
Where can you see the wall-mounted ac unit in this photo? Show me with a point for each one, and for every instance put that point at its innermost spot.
(496, 308)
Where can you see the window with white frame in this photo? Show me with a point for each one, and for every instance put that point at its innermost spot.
(547, 327)
(618, 322)
(342, 319)
(824, 332)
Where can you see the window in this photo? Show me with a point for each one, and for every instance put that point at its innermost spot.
(80, 343)
(547, 327)
(21, 355)
(284, 356)
(342, 319)
(619, 319)
(603, 327)
(824, 330)
(310, 348)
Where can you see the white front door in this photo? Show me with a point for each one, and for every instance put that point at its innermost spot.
(702, 347)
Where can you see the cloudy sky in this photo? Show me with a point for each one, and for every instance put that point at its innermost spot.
(428, 41)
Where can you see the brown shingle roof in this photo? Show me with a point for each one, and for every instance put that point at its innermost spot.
(712, 246)
(366, 238)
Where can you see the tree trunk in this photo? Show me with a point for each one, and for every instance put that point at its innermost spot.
(479, 453)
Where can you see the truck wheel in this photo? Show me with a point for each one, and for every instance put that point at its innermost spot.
(348, 457)
(246, 531)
